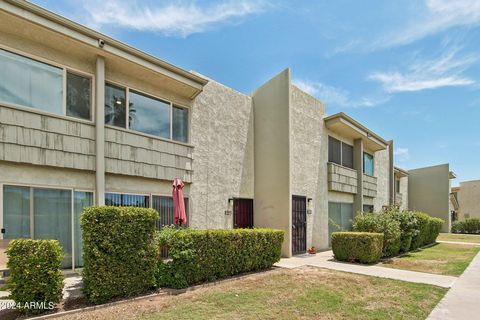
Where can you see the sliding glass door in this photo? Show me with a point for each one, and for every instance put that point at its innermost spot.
(45, 213)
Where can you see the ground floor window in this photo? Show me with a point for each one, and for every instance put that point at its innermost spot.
(368, 208)
(46, 213)
(127, 200)
(340, 217)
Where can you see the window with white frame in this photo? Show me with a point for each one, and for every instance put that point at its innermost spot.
(31, 83)
(133, 110)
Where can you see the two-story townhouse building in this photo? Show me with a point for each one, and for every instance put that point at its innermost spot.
(86, 119)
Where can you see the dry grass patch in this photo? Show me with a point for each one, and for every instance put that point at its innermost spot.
(442, 258)
(473, 238)
(306, 293)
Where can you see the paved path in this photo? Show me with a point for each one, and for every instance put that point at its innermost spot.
(463, 243)
(325, 260)
(462, 300)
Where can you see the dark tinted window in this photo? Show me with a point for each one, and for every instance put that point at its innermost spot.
(334, 150)
(78, 96)
(347, 155)
(180, 124)
(115, 106)
(149, 115)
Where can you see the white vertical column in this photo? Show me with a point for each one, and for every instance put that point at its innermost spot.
(100, 131)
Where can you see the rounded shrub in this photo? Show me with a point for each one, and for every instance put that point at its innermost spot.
(119, 251)
(36, 281)
(364, 247)
(380, 223)
(408, 225)
(428, 229)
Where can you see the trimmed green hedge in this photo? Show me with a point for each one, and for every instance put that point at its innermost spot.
(381, 223)
(206, 255)
(119, 251)
(364, 247)
(470, 226)
(35, 274)
(428, 229)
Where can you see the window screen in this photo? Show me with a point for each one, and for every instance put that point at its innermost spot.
(347, 155)
(334, 151)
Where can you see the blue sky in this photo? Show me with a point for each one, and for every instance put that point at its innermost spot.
(409, 70)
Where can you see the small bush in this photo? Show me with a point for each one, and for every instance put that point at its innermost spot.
(408, 225)
(471, 226)
(380, 223)
(119, 251)
(428, 230)
(35, 274)
(364, 247)
(206, 255)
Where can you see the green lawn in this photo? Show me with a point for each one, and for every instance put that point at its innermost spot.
(309, 293)
(474, 238)
(442, 258)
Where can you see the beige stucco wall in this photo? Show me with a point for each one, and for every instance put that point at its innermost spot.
(429, 191)
(404, 192)
(382, 173)
(469, 199)
(272, 203)
(223, 167)
(309, 162)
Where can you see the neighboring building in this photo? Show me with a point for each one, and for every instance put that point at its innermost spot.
(429, 191)
(467, 197)
(85, 119)
(401, 188)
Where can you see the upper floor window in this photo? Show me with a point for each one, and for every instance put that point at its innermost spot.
(146, 114)
(34, 84)
(340, 152)
(368, 164)
(397, 185)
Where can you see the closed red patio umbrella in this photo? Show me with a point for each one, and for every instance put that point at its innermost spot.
(179, 215)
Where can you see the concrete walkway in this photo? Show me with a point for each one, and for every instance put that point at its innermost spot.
(462, 243)
(462, 300)
(325, 260)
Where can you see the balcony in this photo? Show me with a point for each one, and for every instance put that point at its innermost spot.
(369, 186)
(341, 179)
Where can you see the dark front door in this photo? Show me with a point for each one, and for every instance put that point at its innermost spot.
(243, 213)
(299, 224)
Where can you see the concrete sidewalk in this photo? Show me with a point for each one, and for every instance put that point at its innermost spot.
(325, 260)
(461, 243)
(462, 300)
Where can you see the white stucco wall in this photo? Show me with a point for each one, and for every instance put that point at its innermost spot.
(222, 139)
(469, 199)
(309, 162)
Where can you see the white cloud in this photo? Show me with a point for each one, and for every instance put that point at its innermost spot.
(337, 96)
(172, 18)
(444, 71)
(401, 154)
(432, 17)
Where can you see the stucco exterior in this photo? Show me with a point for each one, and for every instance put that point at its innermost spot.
(308, 163)
(268, 146)
(223, 157)
(382, 174)
(468, 196)
(429, 191)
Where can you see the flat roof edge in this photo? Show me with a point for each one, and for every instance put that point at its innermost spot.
(67, 23)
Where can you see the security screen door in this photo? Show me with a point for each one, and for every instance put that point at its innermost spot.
(299, 224)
